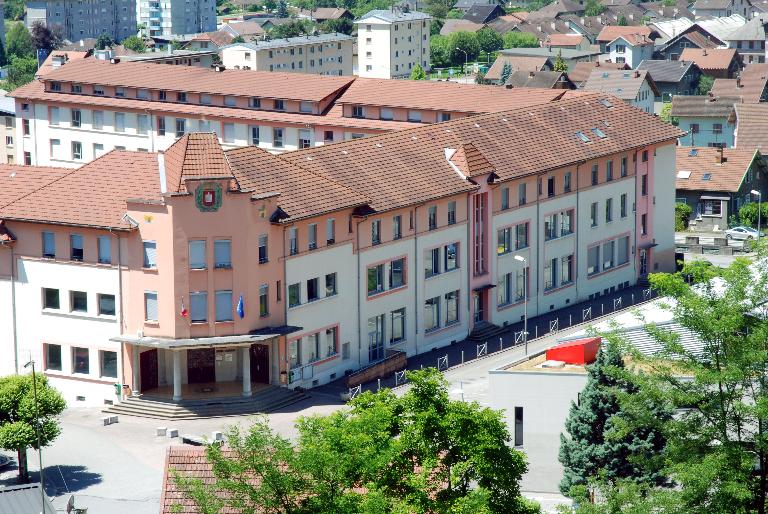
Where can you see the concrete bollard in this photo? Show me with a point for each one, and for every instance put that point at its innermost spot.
(217, 436)
(691, 240)
(695, 249)
(726, 250)
(113, 419)
(173, 432)
(160, 431)
(720, 241)
(105, 420)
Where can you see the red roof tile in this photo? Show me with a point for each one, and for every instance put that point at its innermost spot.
(563, 40)
(611, 32)
(195, 156)
(723, 176)
(750, 86)
(709, 58)
(470, 161)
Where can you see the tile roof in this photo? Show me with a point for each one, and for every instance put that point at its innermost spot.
(189, 462)
(581, 70)
(450, 26)
(538, 79)
(703, 106)
(722, 27)
(325, 13)
(201, 80)
(753, 30)
(194, 156)
(23, 499)
(657, 10)
(566, 53)
(709, 58)
(693, 163)
(480, 13)
(555, 8)
(666, 71)
(503, 24)
(218, 38)
(624, 84)
(696, 37)
(711, 4)
(400, 169)
(394, 16)
(440, 96)
(70, 55)
(635, 39)
(750, 85)
(93, 195)
(752, 126)
(518, 63)
(669, 28)
(563, 40)
(470, 161)
(17, 181)
(245, 28)
(611, 32)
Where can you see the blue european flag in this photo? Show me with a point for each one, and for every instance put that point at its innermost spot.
(241, 307)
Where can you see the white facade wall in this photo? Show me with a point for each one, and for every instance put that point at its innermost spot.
(644, 98)
(7, 355)
(321, 58)
(663, 208)
(387, 50)
(38, 326)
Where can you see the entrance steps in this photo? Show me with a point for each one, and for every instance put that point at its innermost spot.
(264, 400)
(484, 332)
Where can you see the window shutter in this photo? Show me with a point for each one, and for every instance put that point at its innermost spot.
(150, 254)
(150, 306)
(223, 305)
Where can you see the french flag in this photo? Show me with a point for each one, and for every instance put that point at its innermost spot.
(184, 313)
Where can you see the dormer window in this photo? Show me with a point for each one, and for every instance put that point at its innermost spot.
(77, 88)
(98, 90)
(255, 103)
(120, 92)
(162, 96)
(181, 96)
(279, 105)
(56, 86)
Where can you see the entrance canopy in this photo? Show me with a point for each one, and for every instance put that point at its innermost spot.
(195, 342)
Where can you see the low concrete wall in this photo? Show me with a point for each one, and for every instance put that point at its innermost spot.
(396, 361)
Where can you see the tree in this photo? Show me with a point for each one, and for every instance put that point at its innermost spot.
(463, 42)
(705, 84)
(683, 213)
(590, 450)
(282, 9)
(666, 113)
(506, 71)
(45, 38)
(520, 40)
(270, 5)
(748, 213)
(419, 452)
(622, 21)
(3, 57)
(21, 71)
(104, 41)
(418, 73)
(19, 417)
(293, 28)
(237, 39)
(19, 42)
(13, 10)
(593, 8)
(135, 43)
(489, 40)
(435, 26)
(340, 25)
(560, 64)
(439, 9)
(440, 51)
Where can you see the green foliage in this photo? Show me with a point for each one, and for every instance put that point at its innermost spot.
(104, 41)
(435, 26)
(419, 452)
(748, 214)
(270, 5)
(440, 9)
(340, 25)
(455, 14)
(135, 43)
(489, 40)
(666, 112)
(622, 21)
(520, 40)
(294, 28)
(506, 71)
(466, 41)
(705, 84)
(21, 71)
(19, 416)
(593, 8)
(669, 3)
(418, 73)
(440, 51)
(13, 10)
(560, 64)
(3, 57)
(238, 39)
(45, 38)
(282, 9)
(19, 42)
(683, 213)
(480, 78)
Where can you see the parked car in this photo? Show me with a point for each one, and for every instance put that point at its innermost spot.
(741, 233)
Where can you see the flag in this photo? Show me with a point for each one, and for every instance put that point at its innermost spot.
(241, 307)
(183, 309)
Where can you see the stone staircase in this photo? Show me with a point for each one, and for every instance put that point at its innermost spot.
(484, 331)
(265, 400)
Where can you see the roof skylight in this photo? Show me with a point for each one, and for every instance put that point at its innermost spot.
(605, 102)
(684, 174)
(599, 133)
(583, 137)
(693, 153)
(706, 176)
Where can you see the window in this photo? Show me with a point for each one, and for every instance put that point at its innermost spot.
(550, 227)
(593, 214)
(623, 205)
(255, 103)
(330, 284)
(694, 129)
(432, 217)
(222, 253)
(451, 257)
(609, 171)
(712, 208)
(294, 295)
(622, 256)
(28, 158)
(230, 101)
(644, 224)
(358, 111)
(294, 354)
(503, 290)
(330, 231)
(142, 94)
(304, 138)
(119, 122)
(397, 273)
(279, 105)
(452, 307)
(608, 210)
(150, 306)
(77, 150)
(331, 338)
(376, 338)
(566, 222)
(608, 254)
(255, 136)
(313, 289)
(432, 263)
(277, 137)
(55, 148)
(312, 236)
(375, 279)
(594, 174)
(550, 187)
(521, 236)
(385, 113)
(160, 125)
(76, 117)
(328, 136)
(645, 156)
(197, 254)
(376, 232)
(80, 360)
(25, 127)
(150, 254)
(104, 247)
(53, 357)
(451, 213)
(550, 273)
(432, 314)
(717, 128)
(49, 245)
(229, 132)
(397, 327)
(263, 251)
(593, 260)
(56, 86)
(504, 198)
(566, 269)
(223, 305)
(198, 307)
(623, 166)
(414, 116)
(644, 185)
(78, 301)
(106, 304)
(567, 182)
(53, 115)
(50, 298)
(181, 96)
(142, 123)
(264, 300)
(76, 247)
(521, 189)
(397, 222)
(293, 240)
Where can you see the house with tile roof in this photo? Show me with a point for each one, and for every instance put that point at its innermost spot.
(672, 77)
(637, 87)
(630, 49)
(482, 14)
(571, 41)
(610, 33)
(694, 37)
(555, 9)
(322, 14)
(539, 79)
(751, 121)
(751, 84)
(706, 120)
(337, 264)
(721, 8)
(714, 62)
(581, 70)
(749, 40)
(451, 25)
(716, 182)
(517, 63)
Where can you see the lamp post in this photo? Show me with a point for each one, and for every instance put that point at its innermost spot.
(520, 258)
(37, 432)
(466, 58)
(759, 215)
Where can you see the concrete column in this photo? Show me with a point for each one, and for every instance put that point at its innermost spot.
(246, 371)
(176, 376)
(136, 372)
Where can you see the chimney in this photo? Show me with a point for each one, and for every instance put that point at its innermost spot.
(597, 64)
(719, 159)
(58, 61)
(704, 51)
(637, 74)
(219, 68)
(531, 74)
(114, 60)
(738, 81)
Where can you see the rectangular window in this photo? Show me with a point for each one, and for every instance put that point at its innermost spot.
(566, 222)
(622, 256)
(76, 247)
(550, 187)
(550, 273)
(263, 249)
(566, 269)
(312, 236)
(106, 304)
(376, 232)
(222, 253)
(53, 357)
(25, 127)
(452, 307)
(304, 138)
(313, 289)
(104, 246)
(623, 205)
(451, 213)
(230, 101)
(181, 96)
(263, 300)
(594, 174)
(198, 307)
(328, 136)
(78, 301)
(397, 273)
(330, 284)
(53, 115)
(108, 364)
(223, 305)
(197, 254)
(76, 117)
(160, 125)
(80, 361)
(181, 127)
(50, 298)
(279, 105)
(593, 214)
(229, 132)
(644, 224)
(414, 116)
(55, 150)
(717, 128)
(503, 290)
(608, 210)
(432, 314)
(521, 236)
(593, 260)
(119, 122)
(330, 231)
(550, 227)
(255, 135)
(293, 240)
(432, 217)
(255, 103)
(609, 171)
(608, 254)
(503, 241)
(504, 198)
(645, 156)
(694, 129)
(358, 111)
(376, 338)
(331, 341)
(150, 306)
(294, 295)
(277, 137)
(142, 123)
(432, 263)
(150, 254)
(451, 253)
(623, 166)
(521, 190)
(521, 286)
(375, 279)
(397, 222)
(567, 182)
(397, 330)
(49, 245)
(77, 150)
(294, 354)
(644, 185)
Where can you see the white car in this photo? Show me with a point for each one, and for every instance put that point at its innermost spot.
(741, 233)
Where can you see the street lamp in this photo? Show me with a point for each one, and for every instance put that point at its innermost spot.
(759, 215)
(520, 258)
(37, 431)
(466, 58)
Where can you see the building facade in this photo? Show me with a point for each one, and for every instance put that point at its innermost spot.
(323, 54)
(391, 43)
(85, 19)
(165, 18)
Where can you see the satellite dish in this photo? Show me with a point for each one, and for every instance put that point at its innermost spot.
(71, 503)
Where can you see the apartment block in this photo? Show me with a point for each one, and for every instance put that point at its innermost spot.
(85, 18)
(391, 43)
(165, 18)
(85, 108)
(204, 267)
(323, 54)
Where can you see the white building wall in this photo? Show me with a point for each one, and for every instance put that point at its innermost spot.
(644, 98)
(374, 50)
(664, 174)
(306, 58)
(391, 49)
(7, 356)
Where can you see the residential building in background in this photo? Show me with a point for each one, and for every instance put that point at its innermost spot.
(708, 121)
(85, 19)
(630, 49)
(323, 54)
(7, 127)
(165, 17)
(672, 77)
(636, 87)
(391, 43)
(749, 40)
